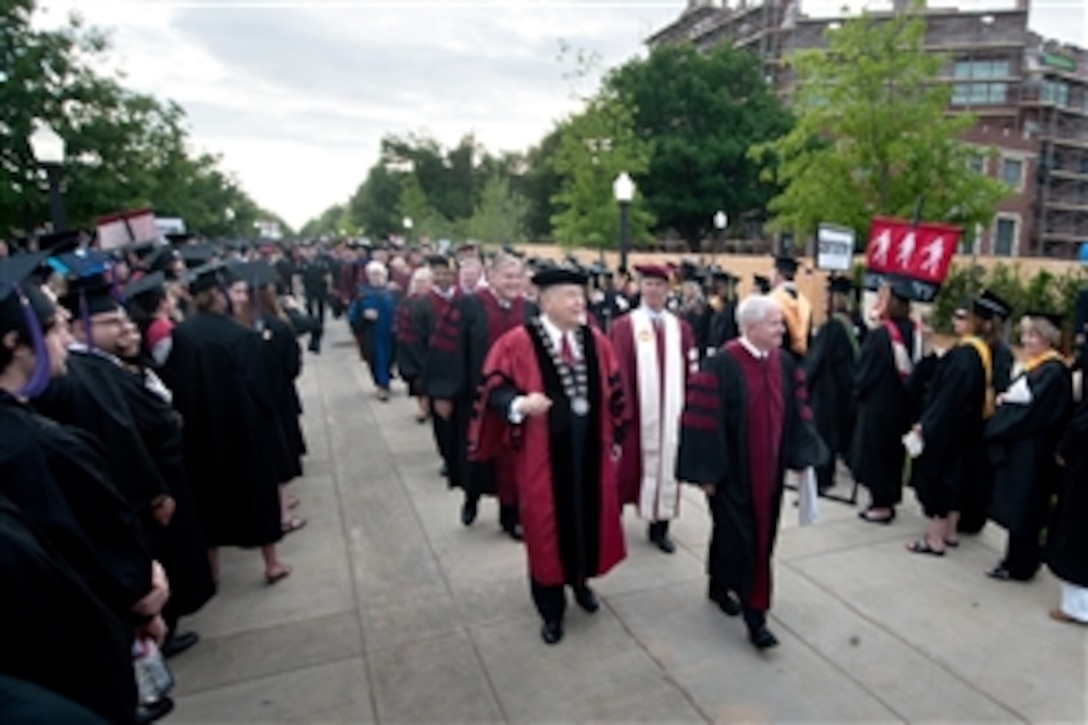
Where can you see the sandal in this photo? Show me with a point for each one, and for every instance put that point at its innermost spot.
(885, 520)
(1059, 616)
(921, 546)
(292, 501)
(279, 575)
(293, 524)
(952, 543)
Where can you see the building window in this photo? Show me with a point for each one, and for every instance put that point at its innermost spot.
(976, 163)
(1004, 236)
(981, 69)
(1012, 172)
(979, 94)
(1054, 92)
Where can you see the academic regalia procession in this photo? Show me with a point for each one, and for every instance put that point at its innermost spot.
(746, 421)
(551, 394)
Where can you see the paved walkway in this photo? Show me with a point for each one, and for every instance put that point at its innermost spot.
(397, 613)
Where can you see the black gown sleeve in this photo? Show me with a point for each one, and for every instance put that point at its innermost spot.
(872, 362)
(950, 394)
(1052, 396)
(703, 457)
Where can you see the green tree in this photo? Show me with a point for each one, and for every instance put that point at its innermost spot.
(594, 147)
(375, 206)
(539, 185)
(703, 112)
(500, 216)
(872, 135)
(330, 222)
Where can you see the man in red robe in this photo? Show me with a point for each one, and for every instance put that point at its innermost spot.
(551, 394)
(745, 422)
(656, 351)
(453, 374)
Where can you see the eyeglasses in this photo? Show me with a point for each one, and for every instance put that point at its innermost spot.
(960, 315)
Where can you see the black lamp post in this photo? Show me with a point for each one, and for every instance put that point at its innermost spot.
(721, 221)
(623, 189)
(48, 149)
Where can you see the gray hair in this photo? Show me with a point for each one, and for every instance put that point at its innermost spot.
(754, 309)
(376, 268)
(1044, 328)
(504, 258)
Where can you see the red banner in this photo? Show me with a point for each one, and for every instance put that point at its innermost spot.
(920, 252)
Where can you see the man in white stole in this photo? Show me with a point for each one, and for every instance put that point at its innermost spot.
(656, 351)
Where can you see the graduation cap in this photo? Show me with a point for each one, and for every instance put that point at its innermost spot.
(717, 274)
(24, 308)
(761, 283)
(901, 288)
(509, 249)
(196, 255)
(257, 274)
(209, 276)
(89, 295)
(653, 271)
(438, 260)
(467, 250)
(162, 260)
(58, 243)
(988, 306)
(785, 264)
(840, 285)
(149, 285)
(1055, 318)
(559, 275)
(178, 239)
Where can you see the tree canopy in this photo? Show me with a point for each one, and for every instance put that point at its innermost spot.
(873, 136)
(123, 149)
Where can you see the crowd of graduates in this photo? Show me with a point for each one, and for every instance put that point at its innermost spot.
(150, 416)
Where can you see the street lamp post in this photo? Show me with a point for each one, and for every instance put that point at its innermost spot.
(623, 189)
(407, 230)
(721, 221)
(48, 149)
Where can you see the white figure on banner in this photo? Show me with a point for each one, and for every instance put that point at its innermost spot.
(883, 245)
(934, 255)
(906, 250)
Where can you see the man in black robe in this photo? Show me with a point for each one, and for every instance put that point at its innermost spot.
(453, 374)
(829, 369)
(223, 381)
(723, 301)
(1067, 536)
(745, 422)
(100, 396)
(426, 315)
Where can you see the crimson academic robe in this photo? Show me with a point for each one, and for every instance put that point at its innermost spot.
(427, 313)
(745, 422)
(622, 336)
(567, 538)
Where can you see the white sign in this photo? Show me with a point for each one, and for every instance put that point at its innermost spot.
(126, 228)
(834, 248)
(170, 225)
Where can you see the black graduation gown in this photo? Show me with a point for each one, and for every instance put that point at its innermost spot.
(1003, 361)
(223, 380)
(699, 321)
(95, 396)
(281, 342)
(179, 547)
(715, 449)
(947, 472)
(877, 452)
(59, 635)
(919, 381)
(1020, 444)
(427, 313)
(829, 369)
(1067, 536)
(454, 372)
(723, 325)
(58, 478)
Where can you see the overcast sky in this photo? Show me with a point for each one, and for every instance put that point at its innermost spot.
(296, 95)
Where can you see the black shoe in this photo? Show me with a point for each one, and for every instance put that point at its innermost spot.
(178, 643)
(514, 532)
(886, 520)
(726, 602)
(762, 638)
(444, 471)
(1002, 573)
(586, 599)
(155, 711)
(469, 511)
(551, 632)
(664, 543)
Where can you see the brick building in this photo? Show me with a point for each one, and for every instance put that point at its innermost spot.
(1029, 95)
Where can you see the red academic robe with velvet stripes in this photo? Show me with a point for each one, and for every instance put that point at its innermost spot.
(629, 476)
(552, 521)
(746, 421)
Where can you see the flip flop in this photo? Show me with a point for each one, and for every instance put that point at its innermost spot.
(293, 524)
(279, 576)
(952, 544)
(292, 502)
(921, 546)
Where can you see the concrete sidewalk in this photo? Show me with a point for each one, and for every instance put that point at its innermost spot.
(397, 613)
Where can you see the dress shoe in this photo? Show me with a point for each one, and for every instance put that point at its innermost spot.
(154, 711)
(726, 602)
(762, 638)
(551, 632)
(178, 643)
(468, 512)
(664, 543)
(586, 599)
